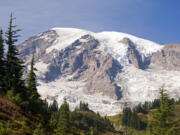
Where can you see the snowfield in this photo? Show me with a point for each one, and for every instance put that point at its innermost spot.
(136, 85)
(72, 91)
(109, 42)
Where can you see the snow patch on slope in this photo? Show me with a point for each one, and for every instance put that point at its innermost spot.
(73, 92)
(143, 85)
(136, 86)
(109, 42)
(66, 37)
(42, 68)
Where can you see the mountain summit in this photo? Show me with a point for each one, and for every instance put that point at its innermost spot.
(109, 70)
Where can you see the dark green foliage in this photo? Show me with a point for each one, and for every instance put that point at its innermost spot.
(83, 106)
(126, 118)
(135, 121)
(39, 130)
(85, 120)
(53, 121)
(54, 106)
(63, 125)
(162, 123)
(93, 131)
(155, 104)
(5, 129)
(14, 68)
(33, 96)
(31, 82)
(77, 121)
(131, 119)
(144, 108)
(2, 65)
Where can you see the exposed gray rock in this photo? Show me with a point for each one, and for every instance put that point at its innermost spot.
(37, 45)
(134, 56)
(168, 57)
(91, 66)
(81, 60)
(84, 61)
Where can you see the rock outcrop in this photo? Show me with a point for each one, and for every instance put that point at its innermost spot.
(37, 45)
(109, 70)
(82, 61)
(168, 57)
(134, 56)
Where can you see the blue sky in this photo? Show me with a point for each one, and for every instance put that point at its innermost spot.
(156, 20)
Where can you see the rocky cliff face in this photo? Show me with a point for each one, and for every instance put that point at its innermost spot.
(109, 69)
(168, 57)
(134, 56)
(82, 61)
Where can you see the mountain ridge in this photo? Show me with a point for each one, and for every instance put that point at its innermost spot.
(109, 70)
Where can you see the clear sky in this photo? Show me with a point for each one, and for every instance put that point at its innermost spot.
(156, 20)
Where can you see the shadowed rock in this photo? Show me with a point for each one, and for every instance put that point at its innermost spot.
(134, 56)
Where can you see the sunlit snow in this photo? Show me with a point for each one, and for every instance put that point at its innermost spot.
(137, 85)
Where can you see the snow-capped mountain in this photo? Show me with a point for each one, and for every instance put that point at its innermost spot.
(109, 70)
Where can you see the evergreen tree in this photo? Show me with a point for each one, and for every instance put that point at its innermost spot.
(126, 117)
(31, 81)
(5, 128)
(2, 65)
(135, 121)
(131, 119)
(54, 115)
(138, 108)
(162, 123)
(146, 107)
(33, 95)
(63, 126)
(83, 106)
(93, 131)
(14, 67)
(155, 103)
(39, 130)
(53, 121)
(54, 106)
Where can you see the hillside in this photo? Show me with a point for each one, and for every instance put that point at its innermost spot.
(117, 120)
(15, 121)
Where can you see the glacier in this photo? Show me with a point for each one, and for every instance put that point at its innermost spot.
(137, 85)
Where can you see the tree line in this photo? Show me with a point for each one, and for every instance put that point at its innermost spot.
(162, 121)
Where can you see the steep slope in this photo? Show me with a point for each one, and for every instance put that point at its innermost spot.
(14, 119)
(168, 57)
(107, 69)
